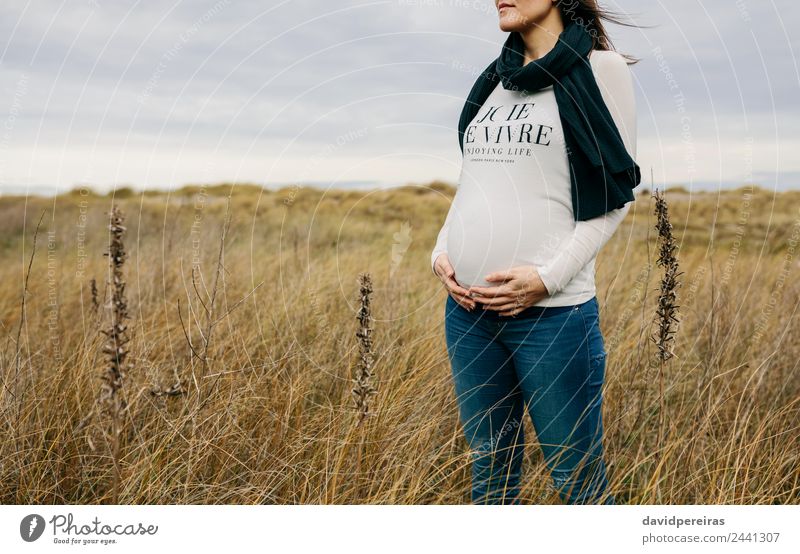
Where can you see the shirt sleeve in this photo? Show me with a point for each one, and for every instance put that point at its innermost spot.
(615, 82)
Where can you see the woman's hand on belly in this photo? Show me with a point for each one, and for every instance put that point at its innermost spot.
(444, 270)
(519, 288)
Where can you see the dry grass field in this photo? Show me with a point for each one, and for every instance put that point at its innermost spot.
(242, 351)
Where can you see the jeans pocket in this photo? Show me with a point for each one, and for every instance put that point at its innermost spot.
(591, 332)
(598, 359)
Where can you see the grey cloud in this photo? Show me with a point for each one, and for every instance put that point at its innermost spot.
(204, 72)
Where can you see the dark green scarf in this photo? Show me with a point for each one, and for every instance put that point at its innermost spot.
(602, 173)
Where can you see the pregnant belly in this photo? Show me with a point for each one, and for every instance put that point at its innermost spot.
(475, 251)
(507, 228)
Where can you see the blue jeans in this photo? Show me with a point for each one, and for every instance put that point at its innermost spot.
(548, 361)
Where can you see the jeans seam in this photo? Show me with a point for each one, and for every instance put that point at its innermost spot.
(592, 361)
(592, 358)
(586, 336)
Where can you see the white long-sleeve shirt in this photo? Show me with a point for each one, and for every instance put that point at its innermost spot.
(513, 204)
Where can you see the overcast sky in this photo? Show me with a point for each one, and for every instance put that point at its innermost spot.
(160, 94)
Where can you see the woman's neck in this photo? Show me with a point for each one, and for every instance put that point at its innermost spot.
(542, 36)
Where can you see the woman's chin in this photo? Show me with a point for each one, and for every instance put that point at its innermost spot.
(508, 24)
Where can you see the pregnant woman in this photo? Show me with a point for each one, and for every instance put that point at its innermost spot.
(548, 135)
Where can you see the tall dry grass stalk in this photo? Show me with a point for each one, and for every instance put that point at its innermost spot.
(17, 394)
(111, 399)
(18, 342)
(363, 390)
(667, 308)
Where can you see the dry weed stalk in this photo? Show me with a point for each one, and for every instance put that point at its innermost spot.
(666, 301)
(364, 389)
(210, 309)
(111, 401)
(201, 352)
(93, 288)
(667, 308)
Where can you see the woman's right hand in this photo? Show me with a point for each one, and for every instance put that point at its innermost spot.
(444, 270)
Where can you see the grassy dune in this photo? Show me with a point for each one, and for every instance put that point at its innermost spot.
(259, 349)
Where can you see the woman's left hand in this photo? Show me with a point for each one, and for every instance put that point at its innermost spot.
(522, 288)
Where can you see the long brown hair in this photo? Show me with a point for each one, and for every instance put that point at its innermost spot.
(589, 14)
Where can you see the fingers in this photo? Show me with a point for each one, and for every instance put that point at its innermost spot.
(491, 292)
(459, 294)
(500, 276)
(447, 270)
(464, 301)
(453, 286)
(448, 277)
(442, 266)
(496, 301)
(512, 306)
